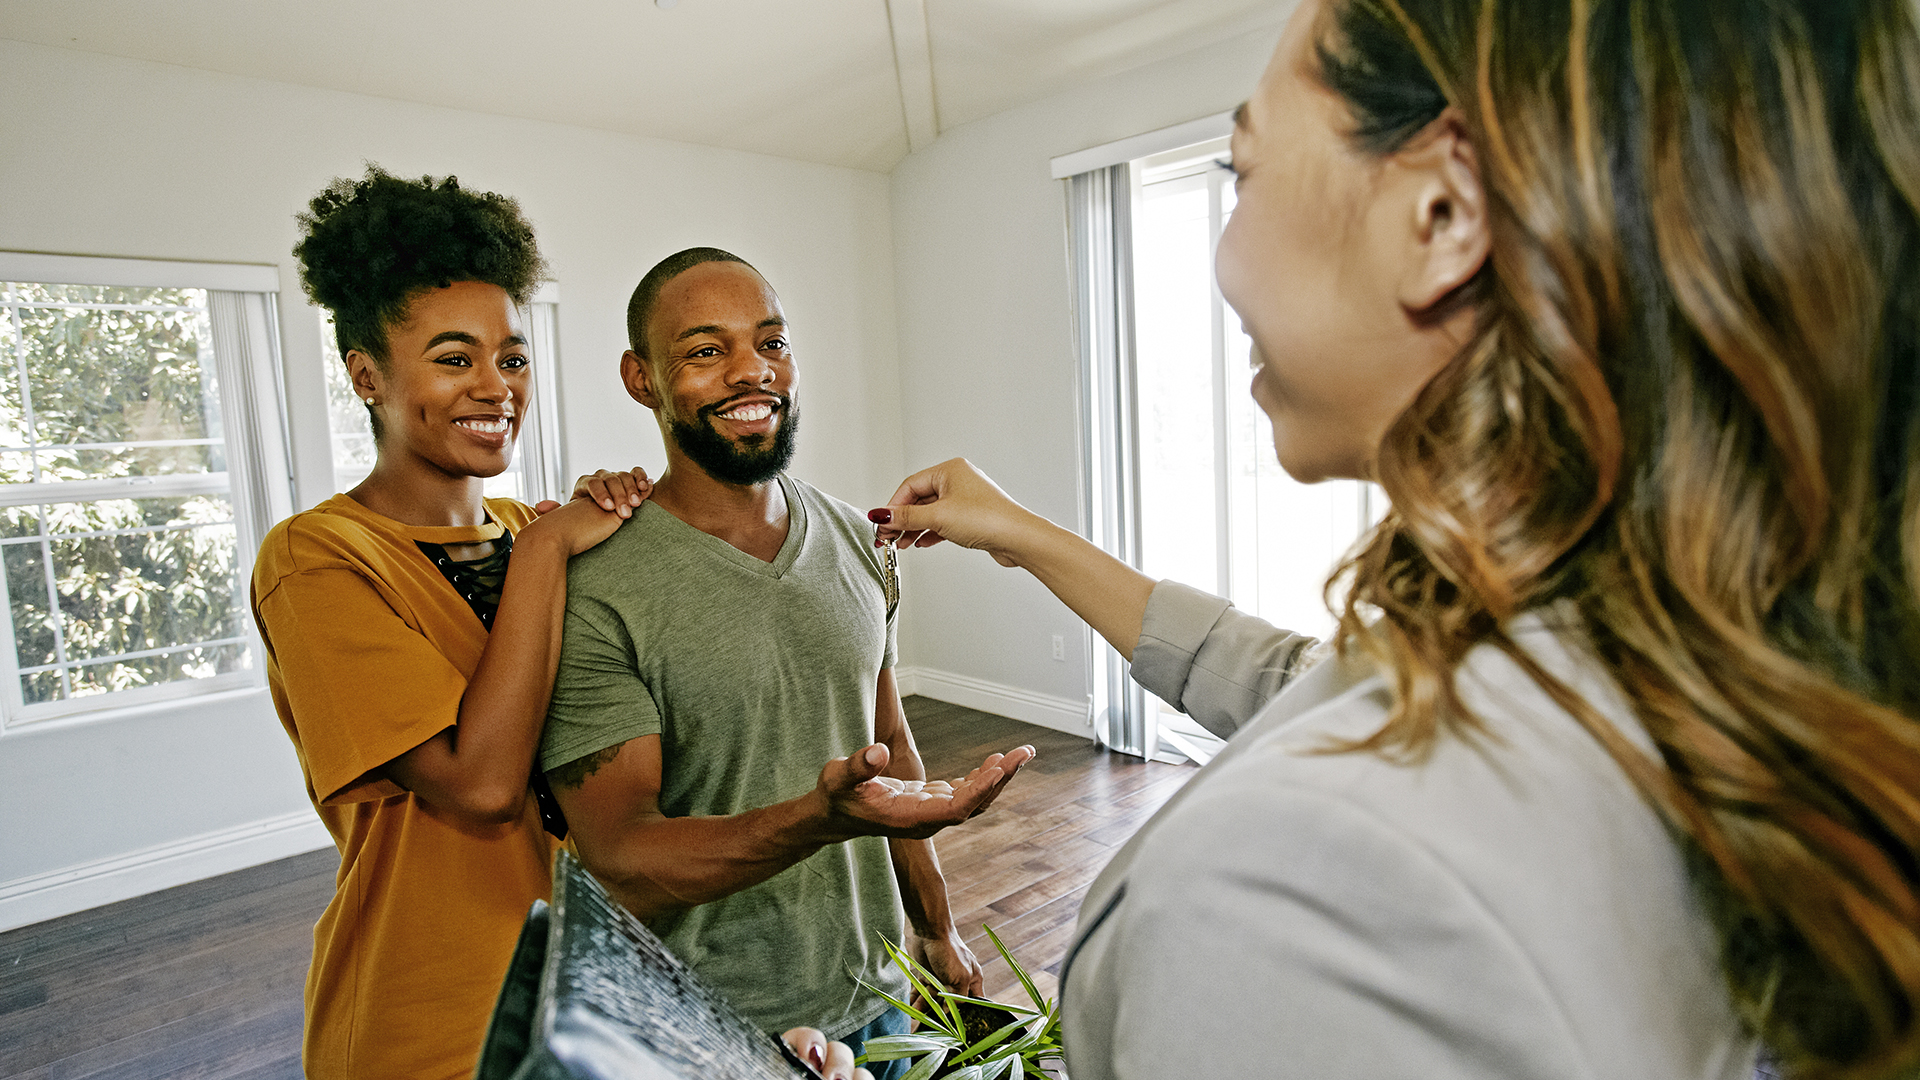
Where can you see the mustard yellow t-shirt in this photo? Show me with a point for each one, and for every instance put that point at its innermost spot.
(369, 649)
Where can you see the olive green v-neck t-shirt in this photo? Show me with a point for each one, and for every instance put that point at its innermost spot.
(753, 674)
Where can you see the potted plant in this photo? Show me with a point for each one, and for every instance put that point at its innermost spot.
(969, 1038)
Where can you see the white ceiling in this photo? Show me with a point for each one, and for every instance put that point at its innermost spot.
(815, 80)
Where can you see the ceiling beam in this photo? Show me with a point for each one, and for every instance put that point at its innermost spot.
(913, 61)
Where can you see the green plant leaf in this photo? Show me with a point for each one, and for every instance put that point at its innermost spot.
(994, 1070)
(993, 1040)
(930, 988)
(1010, 1052)
(894, 1047)
(924, 1068)
(912, 1013)
(1018, 1010)
(914, 1042)
(1018, 971)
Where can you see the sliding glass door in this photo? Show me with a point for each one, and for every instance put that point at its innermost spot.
(1215, 509)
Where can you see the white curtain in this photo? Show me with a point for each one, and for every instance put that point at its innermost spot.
(1100, 251)
(252, 412)
(542, 469)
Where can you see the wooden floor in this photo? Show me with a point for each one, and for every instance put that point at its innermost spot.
(204, 981)
(1023, 866)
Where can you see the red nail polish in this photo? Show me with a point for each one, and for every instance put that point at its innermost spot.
(881, 516)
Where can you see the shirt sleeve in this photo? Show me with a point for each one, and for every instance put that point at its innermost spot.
(599, 699)
(1279, 932)
(1217, 665)
(362, 686)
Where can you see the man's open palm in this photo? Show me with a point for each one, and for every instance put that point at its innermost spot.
(874, 805)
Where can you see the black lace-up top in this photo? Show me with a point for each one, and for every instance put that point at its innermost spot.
(479, 581)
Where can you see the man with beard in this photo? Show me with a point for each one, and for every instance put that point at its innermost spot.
(733, 635)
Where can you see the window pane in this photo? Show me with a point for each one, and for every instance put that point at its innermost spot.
(110, 514)
(39, 293)
(40, 687)
(33, 634)
(199, 662)
(506, 485)
(14, 468)
(149, 587)
(120, 375)
(1173, 321)
(346, 416)
(131, 576)
(18, 521)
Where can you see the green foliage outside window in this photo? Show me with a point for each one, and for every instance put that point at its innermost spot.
(115, 384)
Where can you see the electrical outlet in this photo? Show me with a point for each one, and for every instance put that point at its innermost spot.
(1059, 647)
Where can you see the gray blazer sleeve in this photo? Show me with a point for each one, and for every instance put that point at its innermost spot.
(1217, 665)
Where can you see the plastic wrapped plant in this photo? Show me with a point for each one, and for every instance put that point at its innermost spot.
(970, 1038)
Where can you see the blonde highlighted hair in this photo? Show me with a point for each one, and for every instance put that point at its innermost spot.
(1691, 410)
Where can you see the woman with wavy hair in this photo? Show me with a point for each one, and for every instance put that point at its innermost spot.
(1614, 770)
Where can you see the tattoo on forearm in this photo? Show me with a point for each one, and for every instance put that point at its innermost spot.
(574, 773)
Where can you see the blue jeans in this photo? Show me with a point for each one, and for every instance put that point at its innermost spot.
(891, 1022)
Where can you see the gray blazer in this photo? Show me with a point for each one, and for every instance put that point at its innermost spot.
(1508, 907)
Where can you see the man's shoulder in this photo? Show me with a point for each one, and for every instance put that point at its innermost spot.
(651, 537)
(837, 515)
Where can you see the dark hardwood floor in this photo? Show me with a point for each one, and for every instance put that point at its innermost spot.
(1023, 866)
(203, 982)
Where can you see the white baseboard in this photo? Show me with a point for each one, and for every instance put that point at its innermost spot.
(122, 877)
(1045, 710)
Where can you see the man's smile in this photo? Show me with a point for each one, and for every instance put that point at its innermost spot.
(749, 411)
(750, 415)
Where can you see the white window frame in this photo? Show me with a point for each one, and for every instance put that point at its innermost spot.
(242, 305)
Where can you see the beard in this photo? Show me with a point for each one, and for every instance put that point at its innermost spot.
(753, 460)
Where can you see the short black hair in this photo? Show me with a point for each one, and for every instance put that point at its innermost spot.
(640, 308)
(369, 246)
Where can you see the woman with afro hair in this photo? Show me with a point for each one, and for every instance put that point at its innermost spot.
(412, 626)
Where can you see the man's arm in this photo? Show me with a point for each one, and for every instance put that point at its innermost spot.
(656, 864)
(923, 888)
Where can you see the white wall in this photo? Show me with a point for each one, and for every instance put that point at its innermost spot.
(116, 157)
(987, 362)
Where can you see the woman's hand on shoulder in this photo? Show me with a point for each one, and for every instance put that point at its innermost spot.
(615, 492)
(599, 504)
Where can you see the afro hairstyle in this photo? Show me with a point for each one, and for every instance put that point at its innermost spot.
(369, 246)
